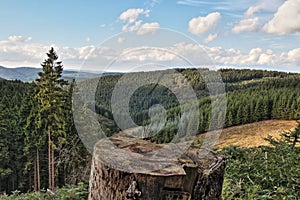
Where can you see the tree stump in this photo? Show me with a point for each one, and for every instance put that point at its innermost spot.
(194, 175)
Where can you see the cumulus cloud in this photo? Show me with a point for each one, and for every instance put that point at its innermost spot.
(132, 14)
(269, 5)
(14, 53)
(15, 38)
(210, 38)
(148, 28)
(201, 24)
(286, 20)
(217, 55)
(133, 27)
(146, 54)
(254, 57)
(246, 25)
(293, 55)
(134, 24)
(32, 54)
(16, 50)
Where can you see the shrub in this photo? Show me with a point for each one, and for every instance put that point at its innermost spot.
(266, 172)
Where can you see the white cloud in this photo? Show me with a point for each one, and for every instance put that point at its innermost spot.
(253, 9)
(246, 25)
(15, 38)
(133, 27)
(16, 50)
(286, 20)
(88, 39)
(32, 54)
(132, 14)
(217, 55)
(133, 24)
(266, 5)
(210, 38)
(293, 55)
(148, 28)
(201, 24)
(146, 54)
(254, 57)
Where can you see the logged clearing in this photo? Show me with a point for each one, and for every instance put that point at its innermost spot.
(252, 135)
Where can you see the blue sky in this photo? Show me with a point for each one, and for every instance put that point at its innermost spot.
(250, 34)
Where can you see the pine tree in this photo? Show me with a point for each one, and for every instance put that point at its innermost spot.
(5, 171)
(51, 99)
(293, 137)
(229, 120)
(33, 140)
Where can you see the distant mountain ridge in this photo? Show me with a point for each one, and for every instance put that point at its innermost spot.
(27, 74)
(21, 73)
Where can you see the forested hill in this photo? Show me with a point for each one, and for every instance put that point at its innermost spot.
(252, 95)
(20, 73)
(28, 74)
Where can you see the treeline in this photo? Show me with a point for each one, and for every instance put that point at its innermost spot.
(39, 145)
(12, 157)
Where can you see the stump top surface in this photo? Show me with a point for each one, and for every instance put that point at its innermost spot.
(135, 155)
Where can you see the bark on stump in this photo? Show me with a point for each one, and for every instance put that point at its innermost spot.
(195, 175)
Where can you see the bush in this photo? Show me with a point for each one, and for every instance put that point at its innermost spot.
(79, 192)
(266, 172)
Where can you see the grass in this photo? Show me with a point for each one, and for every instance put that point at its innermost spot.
(253, 134)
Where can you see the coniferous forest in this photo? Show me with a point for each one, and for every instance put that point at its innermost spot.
(40, 147)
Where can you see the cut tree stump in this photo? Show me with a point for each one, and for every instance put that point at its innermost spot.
(197, 174)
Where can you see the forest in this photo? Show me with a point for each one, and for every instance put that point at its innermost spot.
(252, 95)
(40, 147)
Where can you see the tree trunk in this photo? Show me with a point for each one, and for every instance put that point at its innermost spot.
(34, 174)
(49, 159)
(53, 171)
(197, 174)
(30, 182)
(38, 170)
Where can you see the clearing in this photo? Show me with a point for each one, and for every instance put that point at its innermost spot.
(253, 134)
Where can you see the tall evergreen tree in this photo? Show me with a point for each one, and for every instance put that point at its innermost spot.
(50, 97)
(33, 140)
(5, 171)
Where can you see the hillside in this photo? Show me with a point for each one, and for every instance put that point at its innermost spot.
(252, 134)
(22, 73)
(262, 95)
(27, 74)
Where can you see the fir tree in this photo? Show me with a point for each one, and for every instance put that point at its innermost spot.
(51, 100)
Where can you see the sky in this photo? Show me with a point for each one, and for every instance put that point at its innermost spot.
(126, 34)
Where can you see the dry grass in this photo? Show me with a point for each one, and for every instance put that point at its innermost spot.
(252, 135)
